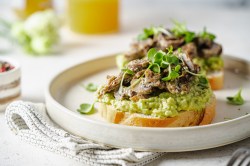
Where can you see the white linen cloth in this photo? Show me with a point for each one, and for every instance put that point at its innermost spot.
(30, 122)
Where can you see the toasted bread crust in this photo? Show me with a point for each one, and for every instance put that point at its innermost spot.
(216, 80)
(184, 118)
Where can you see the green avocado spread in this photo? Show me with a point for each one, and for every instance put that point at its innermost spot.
(164, 105)
(210, 64)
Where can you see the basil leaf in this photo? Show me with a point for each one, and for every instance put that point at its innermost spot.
(91, 87)
(86, 108)
(237, 99)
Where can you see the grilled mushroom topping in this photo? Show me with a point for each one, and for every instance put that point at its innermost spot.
(194, 45)
(162, 72)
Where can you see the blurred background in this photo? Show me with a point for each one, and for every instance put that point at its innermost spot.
(124, 19)
(94, 28)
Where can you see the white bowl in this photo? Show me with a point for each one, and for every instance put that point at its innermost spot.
(10, 83)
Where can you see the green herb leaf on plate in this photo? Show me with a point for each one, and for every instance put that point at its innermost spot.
(91, 87)
(237, 99)
(86, 108)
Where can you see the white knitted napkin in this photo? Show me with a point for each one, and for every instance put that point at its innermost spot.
(31, 123)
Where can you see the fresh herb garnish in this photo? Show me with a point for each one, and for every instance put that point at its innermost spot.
(203, 81)
(171, 75)
(160, 59)
(206, 35)
(86, 108)
(128, 71)
(193, 73)
(180, 30)
(91, 87)
(148, 32)
(237, 99)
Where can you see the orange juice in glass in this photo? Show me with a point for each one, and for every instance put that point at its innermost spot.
(93, 16)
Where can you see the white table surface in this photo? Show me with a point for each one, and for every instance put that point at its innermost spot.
(228, 20)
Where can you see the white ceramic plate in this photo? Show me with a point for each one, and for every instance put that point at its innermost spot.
(65, 93)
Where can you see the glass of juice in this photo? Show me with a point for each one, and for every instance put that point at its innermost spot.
(93, 16)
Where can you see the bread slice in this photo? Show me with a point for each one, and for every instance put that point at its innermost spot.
(216, 80)
(184, 118)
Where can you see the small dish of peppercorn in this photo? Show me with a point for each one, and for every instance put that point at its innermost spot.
(10, 81)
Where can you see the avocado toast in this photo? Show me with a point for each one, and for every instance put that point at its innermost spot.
(164, 90)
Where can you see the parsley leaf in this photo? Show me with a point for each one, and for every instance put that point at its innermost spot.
(86, 109)
(237, 99)
(91, 87)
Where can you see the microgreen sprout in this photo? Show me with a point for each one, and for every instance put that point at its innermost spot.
(86, 108)
(237, 99)
(172, 74)
(148, 32)
(206, 35)
(160, 60)
(180, 30)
